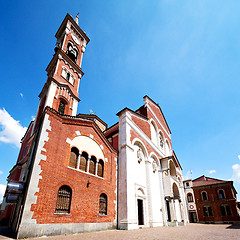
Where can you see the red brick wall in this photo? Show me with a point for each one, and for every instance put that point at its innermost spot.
(143, 125)
(55, 173)
(150, 115)
(215, 202)
(115, 142)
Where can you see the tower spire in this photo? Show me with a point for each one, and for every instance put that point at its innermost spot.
(76, 18)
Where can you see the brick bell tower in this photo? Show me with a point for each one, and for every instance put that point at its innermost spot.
(64, 72)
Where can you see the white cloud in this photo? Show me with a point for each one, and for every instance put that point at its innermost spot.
(1, 172)
(11, 131)
(21, 95)
(236, 173)
(2, 191)
(211, 171)
(239, 157)
(33, 118)
(188, 175)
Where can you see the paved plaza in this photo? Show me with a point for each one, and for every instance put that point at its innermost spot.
(189, 232)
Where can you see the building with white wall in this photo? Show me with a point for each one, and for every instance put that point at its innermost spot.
(150, 186)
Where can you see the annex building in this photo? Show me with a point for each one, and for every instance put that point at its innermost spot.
(211, 200)
(76, 174)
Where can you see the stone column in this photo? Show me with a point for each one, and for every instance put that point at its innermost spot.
(96, 168)
(162, 193)
(149, 194)
(173, 215)
(88, 163)
(78, 160)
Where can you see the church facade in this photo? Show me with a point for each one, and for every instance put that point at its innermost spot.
(75, 174)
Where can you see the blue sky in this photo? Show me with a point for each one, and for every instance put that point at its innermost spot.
(184, 54)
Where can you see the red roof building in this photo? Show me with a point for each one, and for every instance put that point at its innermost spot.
(215, 200)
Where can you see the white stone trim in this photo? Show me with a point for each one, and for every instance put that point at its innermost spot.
(78, 133)
(69, 141)
(35, 177)
(38, 230)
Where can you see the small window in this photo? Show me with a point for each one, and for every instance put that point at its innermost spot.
(100, 168)
(83, 161)
(92, 165)
(225, 211)
(61, 107)
(210, 212)
(221, 194)
(207, 211)
(73, 157)
(190, 197)
(68, 76)
(204, 196)
(72, 52)
(64, 200)
(161, 141)
(187, 184)
(103, 204)
(228, 210)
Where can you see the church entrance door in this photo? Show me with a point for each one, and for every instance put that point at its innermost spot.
(168, 211)
(193, 217)
(140, 212)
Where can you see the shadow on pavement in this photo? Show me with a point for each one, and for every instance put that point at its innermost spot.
(6, 232)
(233, 226)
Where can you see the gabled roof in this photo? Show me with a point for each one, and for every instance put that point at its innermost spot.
(206, 181)
(92, 117)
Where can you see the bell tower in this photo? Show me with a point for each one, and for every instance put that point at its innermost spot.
(64, 72)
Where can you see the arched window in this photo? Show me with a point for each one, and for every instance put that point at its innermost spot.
(190, 197)
(153, 132)
(221, 194)
(175, 190)
(204, 196)
(92, 165)
(73, 157)
(172, 169)
(83, 161)
(64, 200)
(61, 107)
(68, 76)
(100, 168)
(103, 204)
(72, 52)
(161, 140)
(168, 152)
